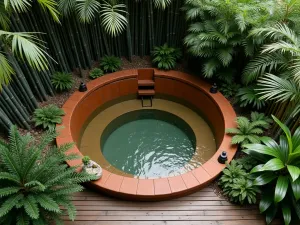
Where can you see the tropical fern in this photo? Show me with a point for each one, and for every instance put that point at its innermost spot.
(48, 116)
(237, 184)
(110, 63)
(95, 73)
(62, 81)
(248, 131)
(165, 57)
(36, 186)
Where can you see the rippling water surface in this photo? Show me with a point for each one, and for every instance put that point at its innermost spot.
(152, 145)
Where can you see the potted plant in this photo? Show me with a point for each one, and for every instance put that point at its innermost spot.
(91, 167)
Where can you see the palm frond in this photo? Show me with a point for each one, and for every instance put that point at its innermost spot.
(162, 4)
(87, 10)
(66, 6)
(262, 64)
(112, 19)
(210, 67)
(276, 88)
(277, 32)
(18, 5)
(5, 71)
(4, 16)
(51, 6)
(28, 47)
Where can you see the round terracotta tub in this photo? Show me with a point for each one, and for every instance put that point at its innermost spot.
(214, 107)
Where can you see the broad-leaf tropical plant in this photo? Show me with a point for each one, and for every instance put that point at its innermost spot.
(248, 131)
(278, 172)
(36, 185)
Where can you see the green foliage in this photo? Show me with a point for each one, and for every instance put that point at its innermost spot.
(110, 64)
(62, 81)
(278, 172)
(248, 96)
(48, 116)
(36, 185)
(165, 57)
(95, 73)
(248, 131)
(111, 12)
(237, 184)
(86, 159)
(229, 90)
(277, 68)
(247, 162)
(27, 47)
(219, 30)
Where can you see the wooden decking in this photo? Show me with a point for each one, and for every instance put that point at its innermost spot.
(201, 208)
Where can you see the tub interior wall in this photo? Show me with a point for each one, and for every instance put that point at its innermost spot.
(108, 94)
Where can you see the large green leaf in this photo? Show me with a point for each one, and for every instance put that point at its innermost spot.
(294, 171)
(296, 207)
(287, 215)
(294, 158)
(286, 131)
(296, 188)
(296, 140)
(273, 165)
(266, 201)
(271, 213)
(265, 178)
(281, 188)
(257, 168)
(263, 149)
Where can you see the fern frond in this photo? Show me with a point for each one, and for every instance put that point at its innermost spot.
(233, 131)
(237, 139)
(47, 203)
(8, 191)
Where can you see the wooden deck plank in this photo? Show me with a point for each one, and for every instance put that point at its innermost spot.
(201, 208)
(168, 213)
(237, 222)
(152, 204)
(168, 218)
